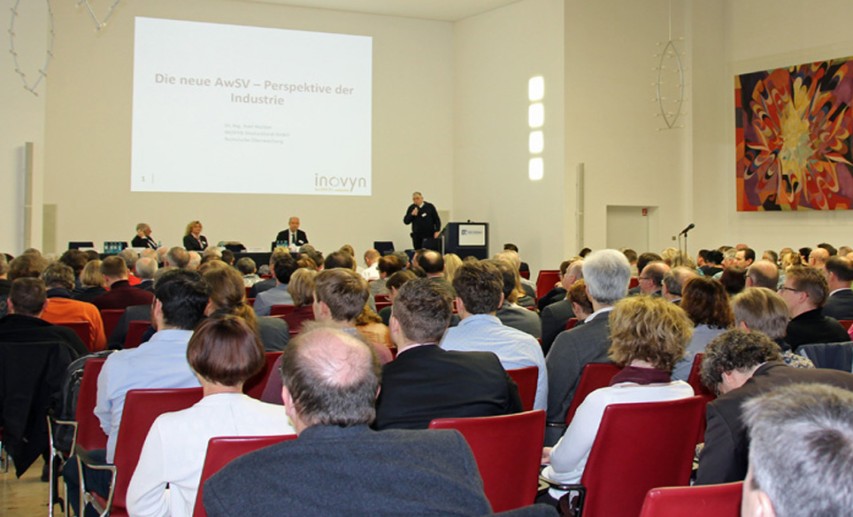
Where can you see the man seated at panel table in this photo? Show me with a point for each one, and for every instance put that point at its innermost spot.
(293, 237)
(338, 465)
(426, 382)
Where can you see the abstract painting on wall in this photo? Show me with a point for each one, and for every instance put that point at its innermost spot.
(794, 128)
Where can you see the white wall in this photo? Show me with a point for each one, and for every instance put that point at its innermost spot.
(88, 132)
(760, 35)
(21, 119)
(611, 127)
(495, 55)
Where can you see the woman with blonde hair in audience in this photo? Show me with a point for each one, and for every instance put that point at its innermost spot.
(758, 309)
(224, 352)
(648, 336)
(371, 328)
(228, 296)
(451, 264)
(92, 282)
(707, 305)
(301, 289)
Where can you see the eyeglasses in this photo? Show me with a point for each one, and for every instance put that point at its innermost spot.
(783, 288)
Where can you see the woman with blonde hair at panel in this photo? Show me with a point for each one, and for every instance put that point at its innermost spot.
(648, 336)
(193, 239)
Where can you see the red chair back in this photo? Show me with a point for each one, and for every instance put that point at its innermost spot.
(110, 318)
(545, 281)
(254, 387)
(250, 301)
(571, 323)
(275, 310)
(141, 408)
(526, 379)
(639, 447)
(90, 436)
(695, 501)
(135, 331)
(695, 380)
(381, 298)
(382, 305)
(83, 329)
(224, 449)
(846, 324)
(296, 318)
(593, 376)
(634, 282)
(508, 450)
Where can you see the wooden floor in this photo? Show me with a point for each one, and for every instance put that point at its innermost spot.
(24, 497)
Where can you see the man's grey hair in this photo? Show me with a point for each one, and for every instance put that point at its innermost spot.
(194, 260)
(801, 448)
(145, 268)
(676, 278)
(607, 273)
(763, 273)
(130, 257)
(178, 257)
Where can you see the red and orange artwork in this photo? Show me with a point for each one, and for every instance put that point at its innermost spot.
(794, 130)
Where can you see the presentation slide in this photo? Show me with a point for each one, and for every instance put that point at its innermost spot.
(244, 110)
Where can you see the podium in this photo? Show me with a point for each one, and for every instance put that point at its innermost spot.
(468, 239)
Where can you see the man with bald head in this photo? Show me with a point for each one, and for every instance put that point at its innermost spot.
(651, 278)
(763, 273)
(818, 258)
(331, 380)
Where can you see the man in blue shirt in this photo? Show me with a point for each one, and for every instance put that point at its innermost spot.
(479, 294)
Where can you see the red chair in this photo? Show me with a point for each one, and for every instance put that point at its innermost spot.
(846, 324)
(545, 281)
(695, 501)
(111, 318)
(281, 309)
(695, 379)
(141, 408)
(250, 301)
(526, 378)
(382, 305)
(224, 449)
(135, 330)
(254, 387)
(83, 329)
(593, 376)
(248, 292)
(296, 318)
(634, 282)
(638, 447)
(571, 323)
(508, 450)
(381, 298)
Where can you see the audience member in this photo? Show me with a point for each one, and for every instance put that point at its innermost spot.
(707, 305)
(606, 273)
(339, 297)
(177, 257)
(744, 258)
(558, 292)
(674, 281)
(330, 384)
(278, 295)
(648, 337)
(180, 299)
(651, 278)
(228, 296)
(27, 265)
(479, 292)
(269, 283)
(223, 353)
(762, 273)
(509, 312)
(121, 294)
(526, 288)
(839, 275)
(426, 382)
(371, 260)
(194, 260)
(301, 289)
(740, 365)
(146, 268)
(555, 315)
(804, 291)
(452, 262)
(387, 266)
(733, 279)
(61, 308)
(371, 327)
(712, 267)
(23, 322)
(801, 459)
(5, 283)
(76, 260)
(339, 259)
(92, 282)
(394, 283)
(818, 258)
